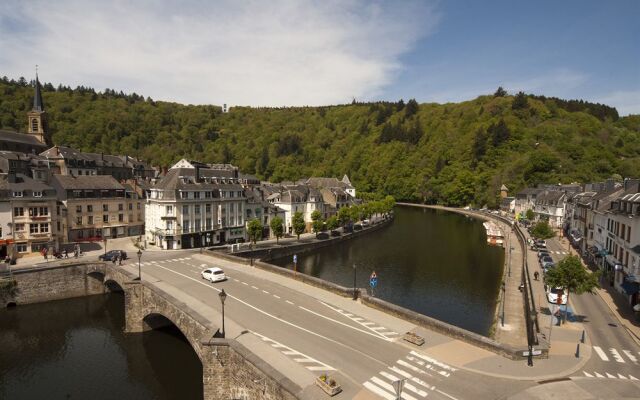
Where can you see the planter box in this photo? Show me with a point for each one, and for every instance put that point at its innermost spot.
(413, 338)
(330, 390)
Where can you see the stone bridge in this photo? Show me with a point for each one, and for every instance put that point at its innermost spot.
(229, 370)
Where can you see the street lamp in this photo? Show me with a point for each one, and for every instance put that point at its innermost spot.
(223, 297)
(139, 270)
(355, 295)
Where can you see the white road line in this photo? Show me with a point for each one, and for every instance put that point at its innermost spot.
(387, 386)
(276, 296)
(253, 287)
(346, 325)
(290, 352)
(236, 280)
(413, 378)
(366, 324)
(434, 361)
(598, 375)
(622, 376)
(610, 376)
(633, 378)
(408, 386)
(616, 355)
(446, 394)
(264, 291)
(587, 374)
(284, 321)
(320, 365)
(245, 283)
(375, 389)
(318, 369)
(601, 353)
(630, 355)
(289, 302)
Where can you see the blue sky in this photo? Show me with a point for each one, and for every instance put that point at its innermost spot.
(295, 52)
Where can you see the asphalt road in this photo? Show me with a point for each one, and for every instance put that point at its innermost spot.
(318, 337)
(615, 354)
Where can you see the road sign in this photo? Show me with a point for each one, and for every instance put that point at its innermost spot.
(295, 258)
(373, 279)
(398, 386)
(533, 353)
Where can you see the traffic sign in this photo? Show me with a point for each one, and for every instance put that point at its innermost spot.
(295, 258)
(534, 352)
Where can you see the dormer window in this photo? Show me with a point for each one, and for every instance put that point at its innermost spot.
(17, 194)
(37, 194)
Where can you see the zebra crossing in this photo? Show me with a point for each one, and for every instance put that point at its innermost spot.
(308, 362)
(618, 356)
(151, 263)
(415, 369)
(609, 376)
(558, 252)
(371, 326)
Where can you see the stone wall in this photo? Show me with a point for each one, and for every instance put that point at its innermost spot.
(39, 284)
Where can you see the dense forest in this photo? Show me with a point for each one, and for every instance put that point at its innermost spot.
(453, 154)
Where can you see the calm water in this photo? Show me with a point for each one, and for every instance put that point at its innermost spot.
(434, 262)
(76, 349)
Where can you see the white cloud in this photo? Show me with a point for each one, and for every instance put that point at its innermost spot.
(626, 102)
(203, 52)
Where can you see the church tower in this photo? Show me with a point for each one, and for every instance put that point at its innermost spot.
(37, 116)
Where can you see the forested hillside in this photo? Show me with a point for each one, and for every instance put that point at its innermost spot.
(448, 153)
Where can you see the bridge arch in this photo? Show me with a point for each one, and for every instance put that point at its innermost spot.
(156, 319)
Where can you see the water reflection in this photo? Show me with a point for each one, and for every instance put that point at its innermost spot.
(434, 262)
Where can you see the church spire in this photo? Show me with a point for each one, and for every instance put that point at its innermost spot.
(38, 105)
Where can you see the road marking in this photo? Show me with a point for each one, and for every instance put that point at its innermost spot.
(347, 325)
(434, 361)
(245, 283)
(630, 355)
(376, 390)
(633, 378)
(601, 353)
(264, 291)
(363, 322)
(413, 378)
(406, 385)
(610, 376)
(236, 280)
(302, 358)
(253, 287)
(284, 321)
(598, 375)
(387, 386)
(616, 355)
(289, 302)
(622, 376)
(276, 296)
(587, 374)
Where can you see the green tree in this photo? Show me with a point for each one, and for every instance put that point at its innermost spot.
(530, 214)
(520, 101)
(542, 230)
(411, 108)
(332, 223)
(317, 222)
(298, 224)
(570, 275)
(277, 227)
(500, 92)
(344, 215)
(254, 229)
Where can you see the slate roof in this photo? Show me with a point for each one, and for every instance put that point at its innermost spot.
(18, 137)
(23, 182)
(173, 180)
(86, 182)
(38, 104)
(321, 182)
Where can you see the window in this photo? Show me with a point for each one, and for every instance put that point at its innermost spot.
(185, 225)
(207, 195)
(44, 210)
(239, 193)
(79, 220)
(21, 247)
(34, 126)
(58, 225)
(18, 212)
(231, 193)
(120, 207)
(196, 195)
(208, 223)
(44, 228)
(197, 226)
(184, 195)
(89, 208)
(37, 194)
(138, 206)
(185, 210)
(19, 227)
(197, 208)
(33, 228)
(169, 210)
(223, 194)
(169, 224)
(207, 208)
(90, 219)
(17, 194)
(628, 233)
(105, 207)
(120, 217)
(105, 218)
(78, 209)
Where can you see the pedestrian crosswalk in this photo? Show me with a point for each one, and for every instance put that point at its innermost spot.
(415, 369)
(308, 362)
(558, 252)
(609, 376)
(150, 263)
(371, 326)
(613, 355)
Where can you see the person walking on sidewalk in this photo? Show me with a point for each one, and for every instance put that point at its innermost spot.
(536, 275)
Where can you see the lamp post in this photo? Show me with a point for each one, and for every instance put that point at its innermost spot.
(223, 297)
(105, 245)
(139, 270)
(504, 294)
(355, 295)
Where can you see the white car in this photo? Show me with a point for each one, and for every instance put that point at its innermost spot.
(214, 274)
(553, 293)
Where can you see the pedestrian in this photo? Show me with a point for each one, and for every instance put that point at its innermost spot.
(536, 275)
(113, 260)
(119, 260)
(45, 253)
(66, 253)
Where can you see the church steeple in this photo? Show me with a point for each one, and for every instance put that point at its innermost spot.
(37, 117)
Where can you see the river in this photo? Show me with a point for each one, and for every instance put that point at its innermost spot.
(433, 262)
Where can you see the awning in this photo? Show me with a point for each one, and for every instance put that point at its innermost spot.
(630, 288)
